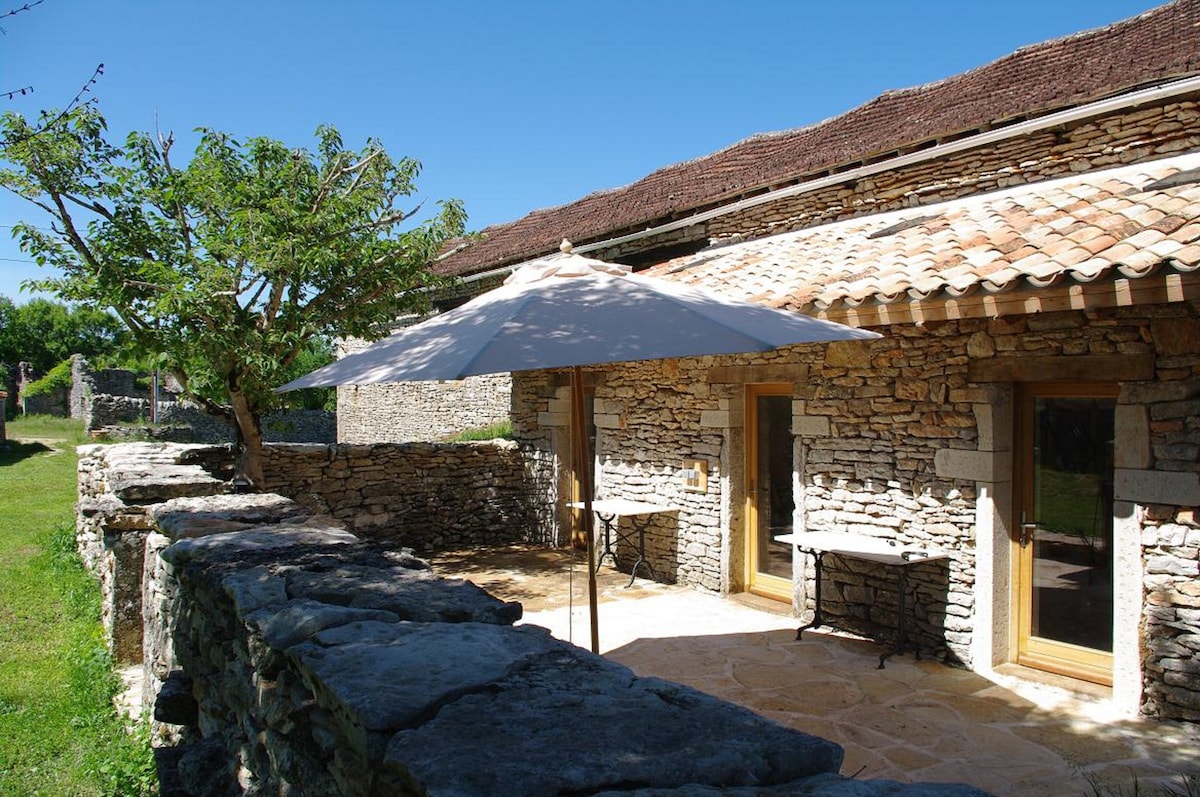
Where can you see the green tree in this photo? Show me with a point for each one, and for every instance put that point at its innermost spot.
(44, 333)
(228, 266)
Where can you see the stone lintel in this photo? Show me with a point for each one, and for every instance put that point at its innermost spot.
(1171, 488)
(1063, 368)
(752, 374)
(977, 466)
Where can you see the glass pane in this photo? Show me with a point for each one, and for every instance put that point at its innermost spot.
(774, 499)
(1072, 504)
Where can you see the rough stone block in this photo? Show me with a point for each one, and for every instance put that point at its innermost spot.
(714, 743)
(1172, 488)
(1132, 437)
(967, 465)
(714, 419)
(811, 426)
(385, 677)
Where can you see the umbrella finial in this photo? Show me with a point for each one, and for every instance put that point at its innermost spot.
(565, 247)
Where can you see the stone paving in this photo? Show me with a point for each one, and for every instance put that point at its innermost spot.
(912, 721)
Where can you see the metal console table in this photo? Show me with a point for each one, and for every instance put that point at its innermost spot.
(610, 511)
(874, 549)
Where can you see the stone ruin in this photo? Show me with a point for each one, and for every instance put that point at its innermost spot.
(111, 403)
(284, 655)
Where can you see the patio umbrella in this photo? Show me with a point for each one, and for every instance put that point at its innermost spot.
(565, 310)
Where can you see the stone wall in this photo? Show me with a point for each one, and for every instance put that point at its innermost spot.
(120, 417)
(408, 411)
(284, 656)
(1172, 616)
(55, 402)
(116, 484)
(1088, 145)
(88, 384)
(424, 495)
(894, 439)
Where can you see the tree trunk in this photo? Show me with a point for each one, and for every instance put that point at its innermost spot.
(249, 439)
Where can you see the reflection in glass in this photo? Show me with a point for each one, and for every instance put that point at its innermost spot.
(1073, 535)
(775, 503)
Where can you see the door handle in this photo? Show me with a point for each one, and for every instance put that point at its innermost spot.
(1026, 530)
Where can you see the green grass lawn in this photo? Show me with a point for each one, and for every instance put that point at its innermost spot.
(59, 733)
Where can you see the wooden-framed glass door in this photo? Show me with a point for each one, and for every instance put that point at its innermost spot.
(770, 501)
(1064, 528)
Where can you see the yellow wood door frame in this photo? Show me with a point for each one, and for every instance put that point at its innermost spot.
(759, 583)
(1054, 656)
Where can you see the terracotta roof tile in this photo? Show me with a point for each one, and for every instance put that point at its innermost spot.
(839, 263)
(1157, 45)
(1188, 257)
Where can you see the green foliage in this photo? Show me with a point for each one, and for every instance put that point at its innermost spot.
(233, 263)
(59, 733)
(59, 377)
(316, 353)
(502, 430)
(44, 333)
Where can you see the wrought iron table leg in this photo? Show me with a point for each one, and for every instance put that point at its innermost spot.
(607, 550)
(641, 560)
(901, 630)
(818, 618)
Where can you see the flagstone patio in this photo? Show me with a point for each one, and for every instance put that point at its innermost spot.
(913, 721)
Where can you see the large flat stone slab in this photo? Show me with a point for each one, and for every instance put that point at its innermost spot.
(192, 516)
(572, 723)
(411, 594)
(395, 675)
(254, 540)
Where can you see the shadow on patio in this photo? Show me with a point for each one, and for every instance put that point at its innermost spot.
(913, 721)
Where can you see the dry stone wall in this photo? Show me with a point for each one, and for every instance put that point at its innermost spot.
(1172, 675)
(401, 412)
(1088, 145)
(881, 429)
(285, 656)
(123, 417)
(116, 484)
(424, 495)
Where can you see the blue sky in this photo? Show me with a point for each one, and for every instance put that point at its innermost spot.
(511, 106)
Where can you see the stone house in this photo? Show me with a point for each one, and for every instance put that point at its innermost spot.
(1026, 237)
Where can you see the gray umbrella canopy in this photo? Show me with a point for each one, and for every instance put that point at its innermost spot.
(565, 310)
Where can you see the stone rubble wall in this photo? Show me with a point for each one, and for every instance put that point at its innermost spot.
(426, 496)
(285, 656)
(1172, 618)
(402, 412)
(1104, 142)
(875, 424)
(116, 484)
(110, 403)
(422, 495)
(186, 422)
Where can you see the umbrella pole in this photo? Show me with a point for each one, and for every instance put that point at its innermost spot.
(583, 458)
